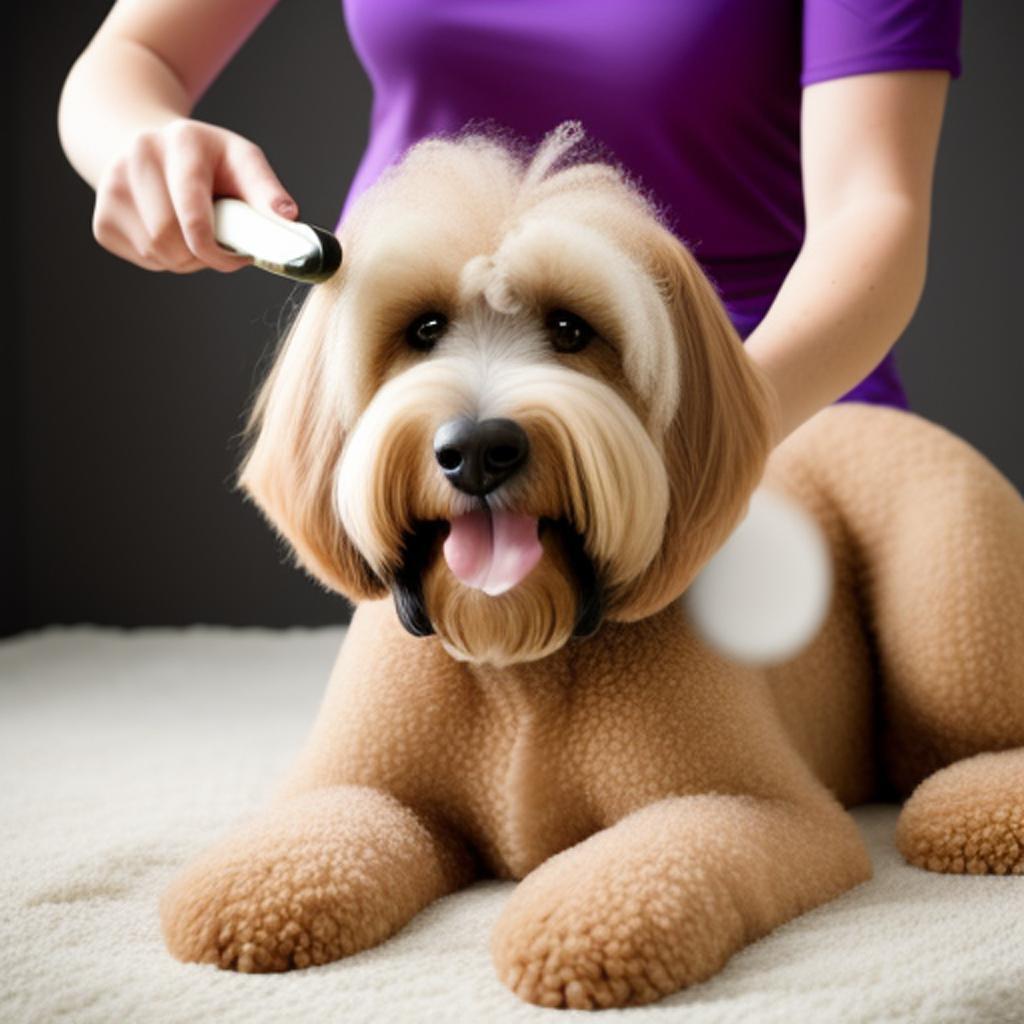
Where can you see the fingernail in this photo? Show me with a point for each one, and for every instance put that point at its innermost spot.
(284, 206)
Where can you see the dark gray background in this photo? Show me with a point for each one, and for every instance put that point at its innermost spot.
(122, 393)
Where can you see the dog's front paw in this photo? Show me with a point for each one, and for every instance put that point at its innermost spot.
(249, 915)
(325, 875)
(583, 933)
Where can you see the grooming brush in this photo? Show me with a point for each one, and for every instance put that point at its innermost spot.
(765, 594)
(288, 248)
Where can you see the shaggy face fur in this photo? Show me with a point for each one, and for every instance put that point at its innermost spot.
(655, 429)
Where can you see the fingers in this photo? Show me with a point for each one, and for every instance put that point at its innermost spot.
(246, 173)
(161, 241)
(154, 204)
(191, 190)
(117, 226)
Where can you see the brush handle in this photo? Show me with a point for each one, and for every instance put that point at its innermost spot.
(280, 246)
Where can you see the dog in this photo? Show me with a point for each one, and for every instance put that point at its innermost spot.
(513, 429)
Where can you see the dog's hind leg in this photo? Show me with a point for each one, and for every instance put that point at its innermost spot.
(947, 592)
(316, 877)
(955, 695)
(937, 534)
(940, 535)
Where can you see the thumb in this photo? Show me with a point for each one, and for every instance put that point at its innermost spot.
(249, 176)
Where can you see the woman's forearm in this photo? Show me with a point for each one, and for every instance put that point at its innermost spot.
(845, 302)
(116, 89)
(148, 64)
(124, 124)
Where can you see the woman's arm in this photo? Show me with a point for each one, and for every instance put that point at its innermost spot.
(868, 155)
(147, 65)
(123, 123)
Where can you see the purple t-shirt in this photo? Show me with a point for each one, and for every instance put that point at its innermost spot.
(698, 99)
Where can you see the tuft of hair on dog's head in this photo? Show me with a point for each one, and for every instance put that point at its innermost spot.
(471, 274)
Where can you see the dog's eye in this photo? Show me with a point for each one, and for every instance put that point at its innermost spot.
(569, 332)
(426, 331)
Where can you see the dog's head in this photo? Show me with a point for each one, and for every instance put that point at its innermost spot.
(519, 406)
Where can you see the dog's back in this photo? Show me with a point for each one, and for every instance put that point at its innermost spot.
(928, 540)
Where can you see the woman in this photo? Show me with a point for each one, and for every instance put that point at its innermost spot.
(791, 145)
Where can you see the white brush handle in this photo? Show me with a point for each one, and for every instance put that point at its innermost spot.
(278, 245)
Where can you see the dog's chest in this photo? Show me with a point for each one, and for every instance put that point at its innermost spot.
(553, 752)
(522, 803)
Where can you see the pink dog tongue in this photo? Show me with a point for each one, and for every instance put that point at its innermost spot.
(492, 550)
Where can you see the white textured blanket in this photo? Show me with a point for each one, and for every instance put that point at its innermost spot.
(123, 753)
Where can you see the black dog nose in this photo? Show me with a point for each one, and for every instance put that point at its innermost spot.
(478, 456)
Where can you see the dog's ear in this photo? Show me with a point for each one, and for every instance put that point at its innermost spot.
(296, 438)
(717, 443)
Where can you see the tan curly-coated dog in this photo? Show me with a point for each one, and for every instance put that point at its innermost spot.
(513, 429)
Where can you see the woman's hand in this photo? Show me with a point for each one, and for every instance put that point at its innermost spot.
(124, 124)
(154, 201)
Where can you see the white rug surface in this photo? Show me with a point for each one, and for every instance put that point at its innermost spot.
(122, 754)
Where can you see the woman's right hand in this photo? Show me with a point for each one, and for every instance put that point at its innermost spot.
(154, 202)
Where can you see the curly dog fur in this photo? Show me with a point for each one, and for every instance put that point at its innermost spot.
(663, 806)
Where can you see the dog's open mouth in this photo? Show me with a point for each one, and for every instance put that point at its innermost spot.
(492, 549)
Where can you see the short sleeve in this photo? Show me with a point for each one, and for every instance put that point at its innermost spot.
(855, 37)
